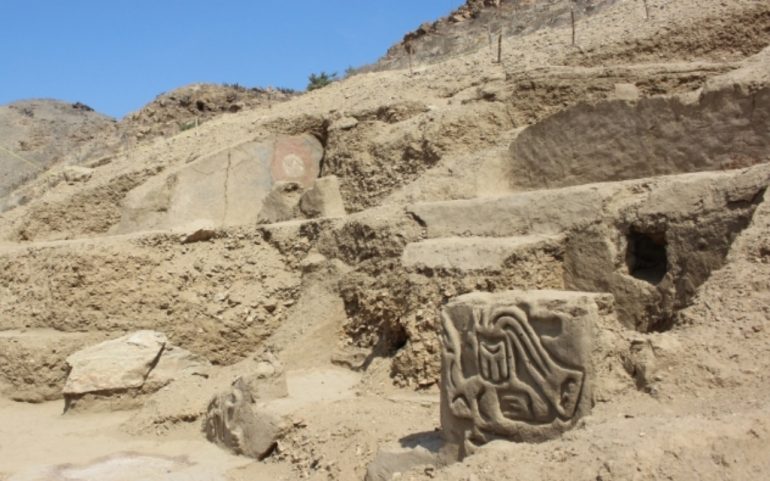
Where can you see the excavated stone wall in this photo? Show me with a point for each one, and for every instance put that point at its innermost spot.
(618, 140)
(214, 298)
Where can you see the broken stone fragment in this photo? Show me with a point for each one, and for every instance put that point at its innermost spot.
(138, 363)
(344, 123)
(323, 199)
(240, 421)
(650, 357)
(74, 173)
(290, 200)
(199, 231)
(518, 365)
(313, 261)
(627, 91)
(281, 203)
(268, 379)
(118, 364)
(351, 357)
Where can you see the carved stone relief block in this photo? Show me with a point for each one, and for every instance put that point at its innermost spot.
(516, 365)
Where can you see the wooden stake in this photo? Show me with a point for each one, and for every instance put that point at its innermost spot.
(500, 33)
(408, 48)
(411, 66)
(572, 15)
(500, 47)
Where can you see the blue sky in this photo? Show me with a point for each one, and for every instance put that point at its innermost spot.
(117, 55)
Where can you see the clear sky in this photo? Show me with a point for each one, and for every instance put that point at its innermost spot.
(117, 55)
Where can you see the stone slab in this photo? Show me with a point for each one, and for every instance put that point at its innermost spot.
(224, 189)
(119, 364)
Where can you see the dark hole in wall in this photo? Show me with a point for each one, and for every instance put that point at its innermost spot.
(396, 339)
(646, 256)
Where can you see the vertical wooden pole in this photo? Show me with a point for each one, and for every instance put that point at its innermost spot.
(409, 50)
(572, 15)
(500, 33)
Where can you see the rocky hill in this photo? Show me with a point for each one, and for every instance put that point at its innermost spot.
(188, 107)
(47, 133)
(35, 134)
(550, 267)
(478, 25)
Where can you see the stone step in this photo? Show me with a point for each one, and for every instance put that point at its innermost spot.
(475, 253)
(532, 212)
(559, 210)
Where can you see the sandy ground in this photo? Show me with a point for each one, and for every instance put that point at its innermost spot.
(37, 440)
(40, 443)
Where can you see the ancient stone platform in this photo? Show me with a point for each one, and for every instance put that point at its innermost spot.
(516, 365)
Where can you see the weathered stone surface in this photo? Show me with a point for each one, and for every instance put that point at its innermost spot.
(473, 253)
(268, 379)
(534, 212)
(323, 199)
(313, 261)
(714, 129)
(627, 91)
(236, 421)
(296, 159)
(344, 123)
(517, 365)
(282, 203)
(174, 363)
(226, 188)
(119, 364)
(396, 458)
(75, 173)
